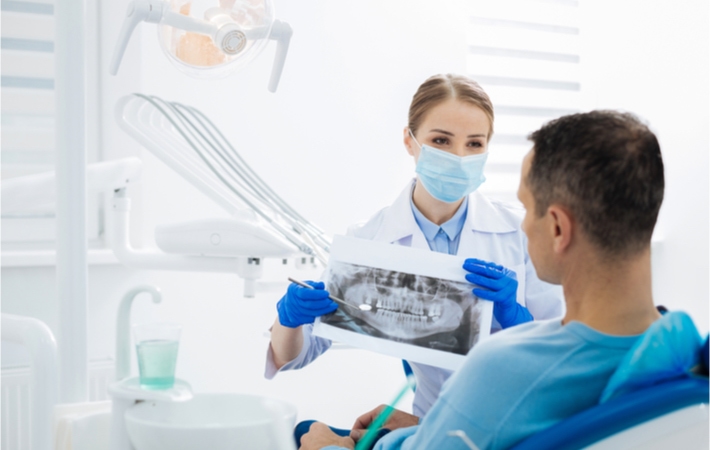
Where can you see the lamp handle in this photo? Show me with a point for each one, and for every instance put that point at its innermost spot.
(138, 11)
(281, 32)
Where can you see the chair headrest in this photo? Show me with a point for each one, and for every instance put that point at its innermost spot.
(669, 348)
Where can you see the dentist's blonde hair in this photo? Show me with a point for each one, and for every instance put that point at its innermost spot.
(439, 88)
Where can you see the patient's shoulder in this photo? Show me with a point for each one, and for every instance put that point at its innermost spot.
(535, 345)
(518, 343)
(535, 330)
(504, 366)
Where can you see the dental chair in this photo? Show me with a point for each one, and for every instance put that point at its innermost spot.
(666, 412)
(652, 401)
(673, 414)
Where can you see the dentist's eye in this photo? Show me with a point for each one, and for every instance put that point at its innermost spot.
(440, 141)
(475, 144)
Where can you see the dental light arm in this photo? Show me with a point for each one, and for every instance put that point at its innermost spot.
(228, 36)
(138, 11)
(281, 32)
(153, 11)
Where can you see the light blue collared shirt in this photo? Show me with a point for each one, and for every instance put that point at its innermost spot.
(442, 238)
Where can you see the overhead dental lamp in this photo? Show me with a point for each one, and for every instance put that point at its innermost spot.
(209, 40)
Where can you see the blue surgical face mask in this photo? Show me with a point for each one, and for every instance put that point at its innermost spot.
(448, 177)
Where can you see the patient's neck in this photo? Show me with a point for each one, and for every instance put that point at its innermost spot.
(613, 297)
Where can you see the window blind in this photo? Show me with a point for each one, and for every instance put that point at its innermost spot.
(28, 113)
(526, 55)
(27, 82)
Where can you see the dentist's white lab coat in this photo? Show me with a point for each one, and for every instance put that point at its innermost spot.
(491, 232)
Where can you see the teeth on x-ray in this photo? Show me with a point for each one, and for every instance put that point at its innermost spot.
(403, 305)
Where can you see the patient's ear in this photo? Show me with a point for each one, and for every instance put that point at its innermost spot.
(561, 227)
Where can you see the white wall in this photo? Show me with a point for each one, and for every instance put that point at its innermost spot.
(651, 57)
(329, 141)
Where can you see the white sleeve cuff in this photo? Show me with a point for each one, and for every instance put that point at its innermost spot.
(270, 370)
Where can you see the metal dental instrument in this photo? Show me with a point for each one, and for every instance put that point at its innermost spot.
(362, 307)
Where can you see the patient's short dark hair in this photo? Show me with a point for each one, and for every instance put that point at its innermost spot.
(606, 167)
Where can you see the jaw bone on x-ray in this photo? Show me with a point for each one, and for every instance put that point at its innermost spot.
(420, 310)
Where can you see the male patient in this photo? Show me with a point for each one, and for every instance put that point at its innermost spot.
(592, 186)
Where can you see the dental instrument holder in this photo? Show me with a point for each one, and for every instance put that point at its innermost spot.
(248, 268)
(126, 391)
(180, 136)
(226, 34)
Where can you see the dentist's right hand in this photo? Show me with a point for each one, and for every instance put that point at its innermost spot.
(302, 305)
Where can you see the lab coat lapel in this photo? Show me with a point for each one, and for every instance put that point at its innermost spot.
(399, 225)
(418, 239)
(481, 217)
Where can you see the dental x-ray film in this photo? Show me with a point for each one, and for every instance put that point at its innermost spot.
(421, 306)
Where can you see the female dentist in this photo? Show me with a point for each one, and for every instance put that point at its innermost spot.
(450, 125)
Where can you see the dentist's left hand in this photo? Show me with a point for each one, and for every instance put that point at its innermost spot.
(302, 305)
(501, 287)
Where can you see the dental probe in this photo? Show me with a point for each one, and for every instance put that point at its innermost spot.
(362, 307)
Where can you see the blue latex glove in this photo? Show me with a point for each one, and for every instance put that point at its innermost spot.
(501, 286)
(302, 305)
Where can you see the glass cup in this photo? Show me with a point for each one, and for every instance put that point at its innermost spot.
(157, 349)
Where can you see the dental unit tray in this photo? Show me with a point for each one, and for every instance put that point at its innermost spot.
(262, 224)
(238, 236)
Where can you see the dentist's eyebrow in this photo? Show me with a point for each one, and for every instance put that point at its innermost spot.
(448, 133)
(437, 130)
